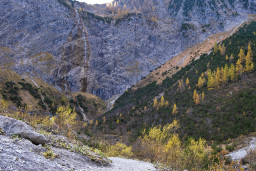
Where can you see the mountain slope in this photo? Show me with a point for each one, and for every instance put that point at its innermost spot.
(76, 50)
(224, 113)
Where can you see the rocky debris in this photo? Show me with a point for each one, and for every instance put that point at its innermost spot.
(241, 153)
(12, 126)
(22, 155)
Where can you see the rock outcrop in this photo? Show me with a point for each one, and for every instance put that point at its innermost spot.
(12, 126)
(76, 50)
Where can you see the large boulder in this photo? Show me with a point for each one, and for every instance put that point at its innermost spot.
(15, 127)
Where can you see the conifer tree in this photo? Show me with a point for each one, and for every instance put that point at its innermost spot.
(217, 79)
(223, 49)
(210, 83)
(155, 103)
(250, 50)
(219, 48)
(91, 122)
(179, 84)
(197, 101)
(241, 55)
(252, 67)
(248, 62)
(174, 110)
(203, 96)
(239, 67)
(166, 104)
(215, 48)
(248, 58)
(227, 57)
(231, 57)
(232, 72)
(225, 74)
(222, 74)
(162, 101)
(194, 95)
(200, 82)
(187, 82)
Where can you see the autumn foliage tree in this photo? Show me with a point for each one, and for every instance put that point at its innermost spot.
(174, 110)
(241, 55)
(66, 117)
(162, 144)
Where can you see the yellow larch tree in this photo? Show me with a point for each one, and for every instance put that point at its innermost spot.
(174, 110)
(104, 119)
(200, 82)
(241, 55)
(225, 74)
(252, 67)
(203, 96)
(166, 104)
(194, 95)
(231, 57)
(66, 116)
(187, 82)
(215, 48)
(232, 72)
(223, 49)
(197, 101)
(227, 58)
(219, 48)
(217, 78)
(210, 83)
(155, 103)
(250, 50)
(239, 67)
(91, 122)
(248, 62)
(179, 84)
(162, 101)
(248, 59)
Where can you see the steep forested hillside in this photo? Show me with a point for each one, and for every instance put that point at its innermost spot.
(214, 97)
(41, 98)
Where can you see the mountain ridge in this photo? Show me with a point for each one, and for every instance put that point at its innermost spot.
(102, 55)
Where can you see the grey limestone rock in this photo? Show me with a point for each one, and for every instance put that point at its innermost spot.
(15, 127)
(81, 51)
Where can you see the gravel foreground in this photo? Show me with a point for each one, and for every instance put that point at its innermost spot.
(22, 155)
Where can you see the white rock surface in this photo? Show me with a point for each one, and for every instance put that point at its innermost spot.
(241, 153)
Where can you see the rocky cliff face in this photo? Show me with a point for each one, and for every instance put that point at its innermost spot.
(75, 50)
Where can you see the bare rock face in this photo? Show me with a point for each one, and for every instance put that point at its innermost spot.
(75, 50)
(12, 126)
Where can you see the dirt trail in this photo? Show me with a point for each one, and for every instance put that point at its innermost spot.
(184, 58)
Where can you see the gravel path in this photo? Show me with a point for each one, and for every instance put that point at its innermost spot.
(120, 164)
